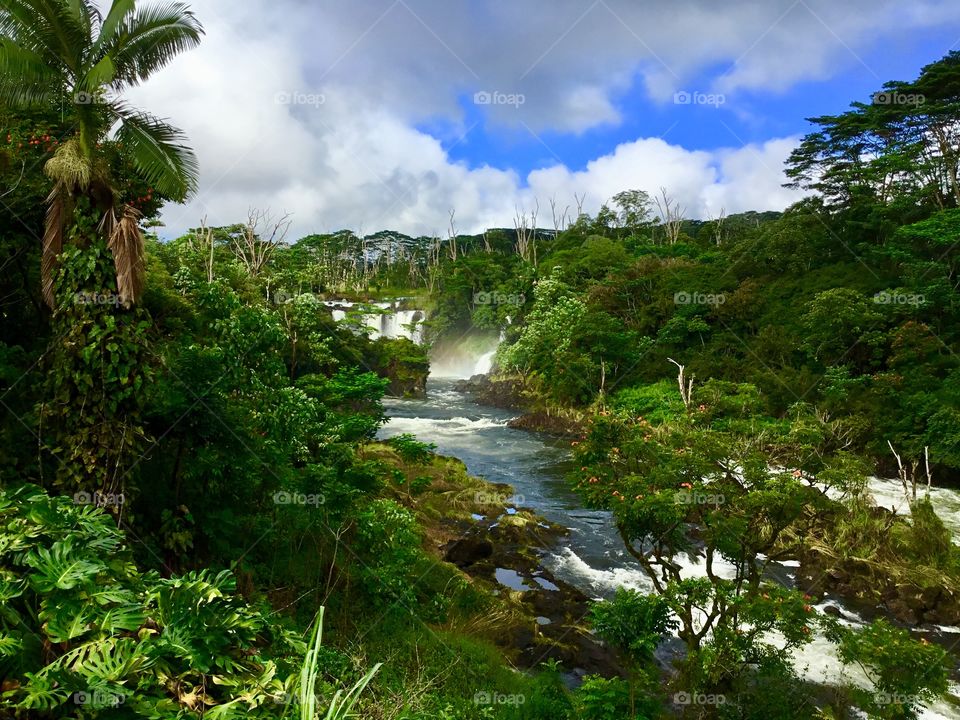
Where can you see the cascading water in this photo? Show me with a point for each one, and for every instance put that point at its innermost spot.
(592, 557)
(388, 322)
(485, 362)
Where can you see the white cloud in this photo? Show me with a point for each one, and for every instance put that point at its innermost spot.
(734, 180)
(357, 159)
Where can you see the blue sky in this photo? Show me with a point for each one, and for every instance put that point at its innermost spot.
(364, 115)
(747, 117)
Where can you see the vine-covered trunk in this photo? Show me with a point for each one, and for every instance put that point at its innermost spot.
(96, 373)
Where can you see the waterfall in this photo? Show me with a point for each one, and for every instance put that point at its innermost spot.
(484, 363)
(389, 322)
(402, 322)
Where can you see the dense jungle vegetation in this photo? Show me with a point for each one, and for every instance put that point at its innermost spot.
(196, 517)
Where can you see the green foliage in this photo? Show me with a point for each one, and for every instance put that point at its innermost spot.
(928, 539)
(391, 543)
(403, 363)
(633, 622)
(118, 638)
(342, 704)
(601, 698)
(411, 449)
(98, 371)
(883, 652)
(657, 403)
(877, 156)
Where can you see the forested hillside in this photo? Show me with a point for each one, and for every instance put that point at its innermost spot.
(201, 517)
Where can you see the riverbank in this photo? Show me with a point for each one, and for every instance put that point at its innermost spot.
(497, 545)
(535, 414)
(590, 556)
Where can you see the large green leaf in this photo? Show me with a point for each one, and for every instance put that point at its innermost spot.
(61, 568)
(159, 153)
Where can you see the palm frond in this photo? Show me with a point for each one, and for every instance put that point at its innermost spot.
(33, 67)
(149, 38)
(126, 244)
(108, 224)
(85, 13)
(19, 22)
(99, 75)
(53, 240)
(26, 78)
(119, 10)
(57, 29)
(159, 153)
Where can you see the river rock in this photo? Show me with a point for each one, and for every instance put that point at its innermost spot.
(506, 394)
(903, 612)
(838, 575)
(542, 421)
(468, 551)
(931, 595)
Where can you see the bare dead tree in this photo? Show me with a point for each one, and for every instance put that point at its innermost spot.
(908, 473)
(259, 239)
(578, 201)
(205, 245)
(686, 386)
(718, 223)
(526, 227)
(671, 215)
(486, 242)
(452, 249)
(533, 222)
(560, 220)
(433, 262)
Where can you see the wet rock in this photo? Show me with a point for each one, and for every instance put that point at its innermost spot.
(903, 612)
(838, 575)
(946, 615)
(930, 596)
(832, 610)
(541, 421)
(468, 551)
(912, 597)
(502, 393)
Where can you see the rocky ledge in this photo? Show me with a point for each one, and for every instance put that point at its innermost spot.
(860, 580)
(510, 394)
(504, 551)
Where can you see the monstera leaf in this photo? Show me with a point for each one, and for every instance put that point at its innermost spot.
(60, 568)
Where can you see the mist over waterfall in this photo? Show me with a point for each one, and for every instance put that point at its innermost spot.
(466, 358)
(484, 363)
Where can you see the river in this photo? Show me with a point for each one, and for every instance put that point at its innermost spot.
(592, 557)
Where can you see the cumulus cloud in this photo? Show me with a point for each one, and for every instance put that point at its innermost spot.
(314, 108)
(704, 183)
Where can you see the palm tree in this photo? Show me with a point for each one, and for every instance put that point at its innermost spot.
(66, 52)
